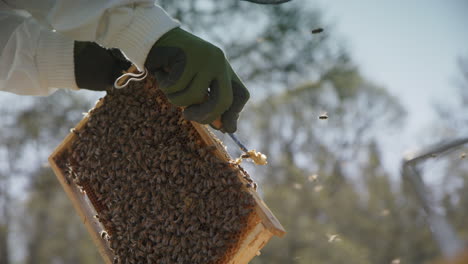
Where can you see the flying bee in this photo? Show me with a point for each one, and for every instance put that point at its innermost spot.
(317, 30)
(323, 116)
(333, 238)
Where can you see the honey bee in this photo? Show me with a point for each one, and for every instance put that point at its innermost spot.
(104, 235)
(323, 116)
(333, 238)
(317, 30)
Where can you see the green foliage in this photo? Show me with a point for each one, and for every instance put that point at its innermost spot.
(55, 232)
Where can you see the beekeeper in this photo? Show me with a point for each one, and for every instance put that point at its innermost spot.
(47, 45)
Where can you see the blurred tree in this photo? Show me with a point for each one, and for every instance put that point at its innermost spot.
(453, 123)
(453, 118)
(456, 202)
(323, 211)
(28, 133)
(449, 196)
(4, 223)
(55, 233)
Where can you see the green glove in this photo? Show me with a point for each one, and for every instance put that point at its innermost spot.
(195, 74)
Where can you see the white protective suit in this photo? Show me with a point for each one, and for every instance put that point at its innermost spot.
(37, 36)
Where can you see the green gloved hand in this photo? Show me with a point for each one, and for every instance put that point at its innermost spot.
(195, 74)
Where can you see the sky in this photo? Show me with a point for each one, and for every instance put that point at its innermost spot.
(411, 49)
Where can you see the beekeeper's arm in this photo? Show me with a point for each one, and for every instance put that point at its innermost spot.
(35, 60)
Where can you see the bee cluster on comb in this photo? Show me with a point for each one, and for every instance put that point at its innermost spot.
(159, 191)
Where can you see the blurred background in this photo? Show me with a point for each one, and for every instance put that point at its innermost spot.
(392, 78)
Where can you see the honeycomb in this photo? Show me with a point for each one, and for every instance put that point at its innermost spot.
(160, 192)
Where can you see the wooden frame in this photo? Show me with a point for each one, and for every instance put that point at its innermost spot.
(261, 227)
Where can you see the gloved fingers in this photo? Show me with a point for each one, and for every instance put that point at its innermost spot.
(219, 100)
(168, 78)
(240, 97)
(168, 65)
(195, 92)
(176, 76)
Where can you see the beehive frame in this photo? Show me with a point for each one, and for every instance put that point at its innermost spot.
(262, 226)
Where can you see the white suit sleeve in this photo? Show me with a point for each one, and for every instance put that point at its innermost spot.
(131, 26)
(24, 70)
